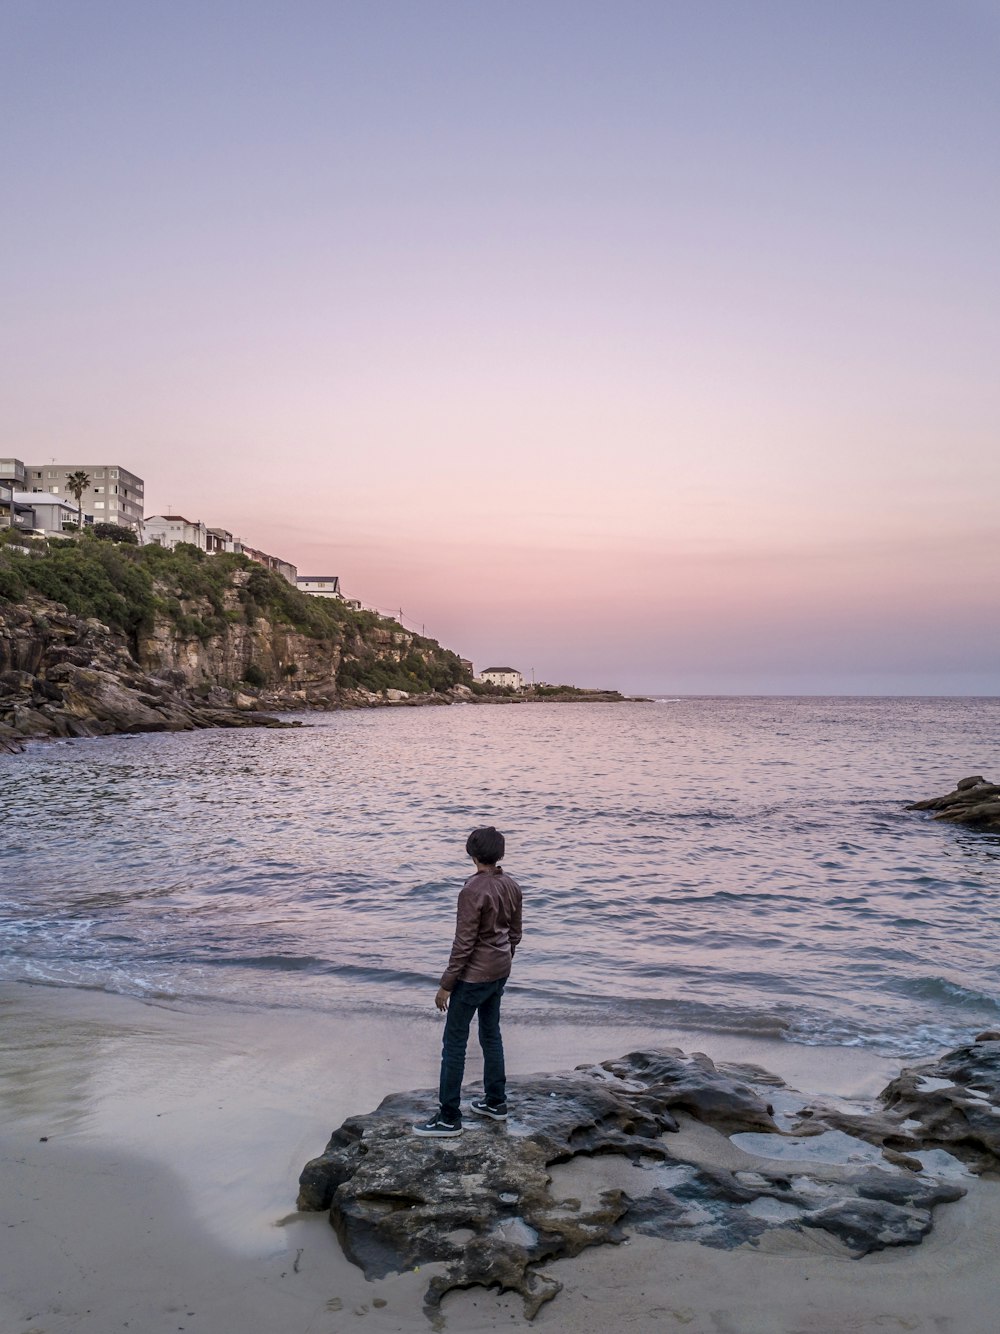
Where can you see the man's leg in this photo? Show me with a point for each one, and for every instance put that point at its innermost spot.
(461, 1008)
(494, 1074)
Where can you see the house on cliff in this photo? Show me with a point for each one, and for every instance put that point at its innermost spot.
(509, 677)
(320, 585)
(166, 530)
(14, 513)
(52, 514)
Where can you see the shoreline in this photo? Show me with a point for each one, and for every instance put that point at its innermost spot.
(152, 1151)
(13, 742)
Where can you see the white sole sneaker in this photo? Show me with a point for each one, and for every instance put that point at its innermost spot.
(483, 1109)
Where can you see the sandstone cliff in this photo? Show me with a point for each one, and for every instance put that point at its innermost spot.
(96, 639)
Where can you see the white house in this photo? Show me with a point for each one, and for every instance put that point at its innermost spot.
(503, 676)
(166, 530)
(51, 512)
(320, 585)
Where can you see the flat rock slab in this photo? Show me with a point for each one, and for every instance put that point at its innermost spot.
(950, 1105)
(493, 1204)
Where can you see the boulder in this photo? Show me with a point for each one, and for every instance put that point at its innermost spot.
(974, 802)
(93, 694)
(11, 742)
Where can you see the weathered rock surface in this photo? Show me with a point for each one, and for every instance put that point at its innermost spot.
(64, 676)
(718, 1154)
(974, 802)
(952, 1104)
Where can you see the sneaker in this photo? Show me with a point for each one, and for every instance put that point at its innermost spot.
(437, 1128)
(496, 1111)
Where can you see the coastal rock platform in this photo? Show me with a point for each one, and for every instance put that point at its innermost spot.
(973, 802)
(661, 1143)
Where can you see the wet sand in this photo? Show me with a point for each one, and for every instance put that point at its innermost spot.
(150, 1154)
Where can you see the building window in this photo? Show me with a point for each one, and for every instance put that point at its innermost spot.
(112, 472)
(55, 490)
(98, 504)
(53, 474)
(99, 490)
(98, 472)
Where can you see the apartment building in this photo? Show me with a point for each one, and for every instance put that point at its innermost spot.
(115, 495)
(13, 513)
(13, 475)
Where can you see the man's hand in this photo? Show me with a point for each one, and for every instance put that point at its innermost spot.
(442, 998)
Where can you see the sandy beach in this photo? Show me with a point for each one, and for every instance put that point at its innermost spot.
(151, 1152)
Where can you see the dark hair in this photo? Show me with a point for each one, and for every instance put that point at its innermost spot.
(486, 845)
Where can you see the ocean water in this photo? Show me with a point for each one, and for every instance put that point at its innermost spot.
(722, 865)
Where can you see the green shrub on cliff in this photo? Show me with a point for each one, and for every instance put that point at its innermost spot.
(115, 532)
(92, 578)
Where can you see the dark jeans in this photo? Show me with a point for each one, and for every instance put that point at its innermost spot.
(467, 999)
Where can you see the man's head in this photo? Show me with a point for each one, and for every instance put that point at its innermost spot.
(485, 845)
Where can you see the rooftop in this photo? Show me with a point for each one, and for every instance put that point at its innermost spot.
(42, 498)
(515, 670)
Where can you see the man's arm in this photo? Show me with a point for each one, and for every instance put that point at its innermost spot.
(466, 934)
(514, 933)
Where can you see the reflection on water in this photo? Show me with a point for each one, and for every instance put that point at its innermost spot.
(739, 865)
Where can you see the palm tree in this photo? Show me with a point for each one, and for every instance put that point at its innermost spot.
(77, 482)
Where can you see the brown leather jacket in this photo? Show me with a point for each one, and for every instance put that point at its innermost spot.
(487, 930)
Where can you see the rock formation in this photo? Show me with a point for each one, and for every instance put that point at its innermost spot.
(950, 1105)
(64, 676)
(974, 802)
(225, 658)
(721, 1155)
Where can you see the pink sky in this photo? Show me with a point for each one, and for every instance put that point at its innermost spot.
(652, 347)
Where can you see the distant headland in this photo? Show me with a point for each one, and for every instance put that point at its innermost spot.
(99, 636)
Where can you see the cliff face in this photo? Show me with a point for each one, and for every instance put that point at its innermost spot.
(66, 676)
(195, 645)
(282, 654)
(300, 669)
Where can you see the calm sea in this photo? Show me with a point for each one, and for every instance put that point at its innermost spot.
(737, 865)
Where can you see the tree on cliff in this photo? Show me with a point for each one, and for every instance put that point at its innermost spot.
(115, 532)
(77, 482)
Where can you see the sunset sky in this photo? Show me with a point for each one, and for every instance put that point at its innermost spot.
(650, 345)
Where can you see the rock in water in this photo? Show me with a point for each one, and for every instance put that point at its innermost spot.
(484, 1203)
(974, 802)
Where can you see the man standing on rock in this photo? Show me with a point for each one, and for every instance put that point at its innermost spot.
(487, 933)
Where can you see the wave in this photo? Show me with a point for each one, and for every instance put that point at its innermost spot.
(532, 1008)
(944, 990)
